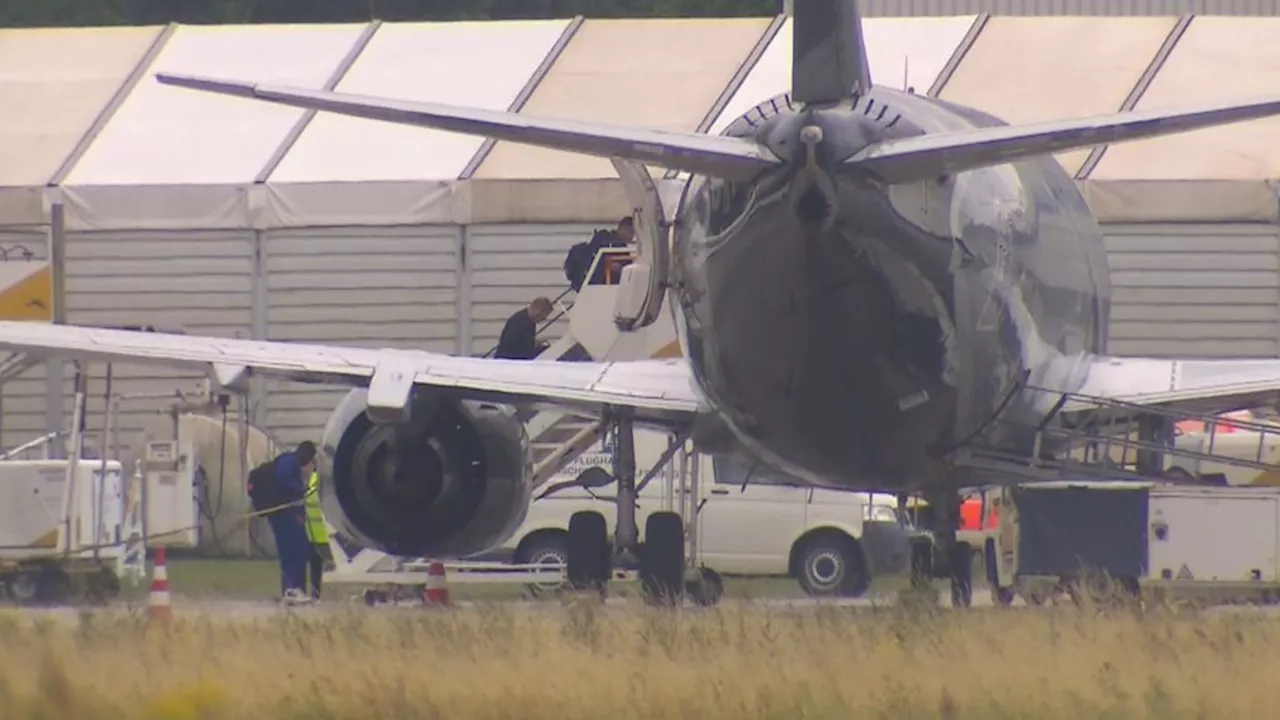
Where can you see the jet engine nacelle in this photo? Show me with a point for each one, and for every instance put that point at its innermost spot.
(453, 481)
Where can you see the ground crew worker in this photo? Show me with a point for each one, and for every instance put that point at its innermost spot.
(288, 523)
(317, 533)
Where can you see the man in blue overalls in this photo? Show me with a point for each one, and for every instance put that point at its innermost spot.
(289, 524)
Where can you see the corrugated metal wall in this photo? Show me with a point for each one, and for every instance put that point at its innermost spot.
(367, 287)
(22, 400)
(1195, 290)
(510, 265)
(905, 8)
(195, 282)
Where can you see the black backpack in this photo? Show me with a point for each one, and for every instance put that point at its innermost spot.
(576, 264)
(264, 491)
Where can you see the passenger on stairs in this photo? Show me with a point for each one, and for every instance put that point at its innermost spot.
(580, 257)
(519, 340)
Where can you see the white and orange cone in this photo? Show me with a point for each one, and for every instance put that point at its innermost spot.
(437, 592)
(158, 607)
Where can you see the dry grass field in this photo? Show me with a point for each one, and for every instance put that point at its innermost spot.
(585, 662)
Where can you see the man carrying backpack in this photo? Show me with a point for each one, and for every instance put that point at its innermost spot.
(278, 483)
(580, 257)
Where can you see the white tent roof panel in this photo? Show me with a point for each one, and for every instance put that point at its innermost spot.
(1107, 56)
(163, 134)
(53, 85)
(659, 73)
(920, 46)
(1218, 59)
(477, 64)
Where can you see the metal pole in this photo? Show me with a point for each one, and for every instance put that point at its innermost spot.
(73, 462)
(54, 367)
(101, 485)
(694, 483)
(243, 423)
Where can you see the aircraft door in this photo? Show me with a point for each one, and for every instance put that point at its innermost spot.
(644, 282)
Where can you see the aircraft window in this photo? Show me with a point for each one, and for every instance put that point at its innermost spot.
(732, 470)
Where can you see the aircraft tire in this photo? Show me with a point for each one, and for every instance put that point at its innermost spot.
(961, 575)
(588, 564)
(662, 559)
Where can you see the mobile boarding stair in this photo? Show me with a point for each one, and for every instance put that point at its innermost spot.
(593, 335)
(556, 438)
(1098, 438)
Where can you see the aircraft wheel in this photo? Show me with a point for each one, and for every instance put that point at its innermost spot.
(588, 564)
(662, 559)
(922, 563)
(961, 575)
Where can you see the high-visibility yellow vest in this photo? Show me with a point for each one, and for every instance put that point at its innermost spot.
(316, 530)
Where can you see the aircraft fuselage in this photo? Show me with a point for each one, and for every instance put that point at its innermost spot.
(850, 333)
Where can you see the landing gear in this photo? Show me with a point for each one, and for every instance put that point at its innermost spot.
(661, 559)
(942, 555)
(589, 563)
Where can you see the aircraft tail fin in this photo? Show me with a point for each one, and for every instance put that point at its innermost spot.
(829, 52)
(925, 157)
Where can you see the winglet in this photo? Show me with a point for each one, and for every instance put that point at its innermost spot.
(829, 52)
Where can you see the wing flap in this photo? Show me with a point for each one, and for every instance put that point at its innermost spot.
(657, 389)
(727, 157)
(928, 156)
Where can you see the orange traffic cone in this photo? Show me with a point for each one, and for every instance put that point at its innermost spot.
(158, 604)
(437, 592)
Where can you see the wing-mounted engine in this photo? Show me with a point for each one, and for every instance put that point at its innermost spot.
(452, 479)
(644, 282)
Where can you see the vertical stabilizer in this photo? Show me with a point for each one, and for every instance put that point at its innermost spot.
(829, 55)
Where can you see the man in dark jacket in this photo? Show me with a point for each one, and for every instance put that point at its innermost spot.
(583, 254)
(519, 340)
(289, 525)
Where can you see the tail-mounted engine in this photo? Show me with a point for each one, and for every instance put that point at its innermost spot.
(453, 480)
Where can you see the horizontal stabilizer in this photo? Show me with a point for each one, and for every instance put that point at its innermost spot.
(929, 156)
(726, 157)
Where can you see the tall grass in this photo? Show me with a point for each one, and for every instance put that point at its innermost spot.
(585, 662)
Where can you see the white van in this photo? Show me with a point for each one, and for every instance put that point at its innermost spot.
(832, 542)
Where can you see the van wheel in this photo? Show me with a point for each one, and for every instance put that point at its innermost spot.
(545, 548)
(831, 565)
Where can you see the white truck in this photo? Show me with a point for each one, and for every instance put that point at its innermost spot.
(832, 542)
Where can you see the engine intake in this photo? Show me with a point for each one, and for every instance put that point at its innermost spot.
(454, 480)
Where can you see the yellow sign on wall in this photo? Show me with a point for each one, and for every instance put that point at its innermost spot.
(26, 291)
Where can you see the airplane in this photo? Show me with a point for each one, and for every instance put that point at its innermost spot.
(921, 268)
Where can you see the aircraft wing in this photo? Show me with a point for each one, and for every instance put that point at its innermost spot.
(661, 391)
(924, 157)
(1196, 386)
(728, 157)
